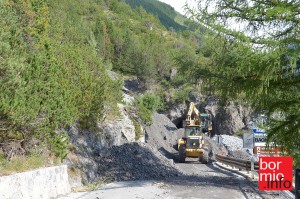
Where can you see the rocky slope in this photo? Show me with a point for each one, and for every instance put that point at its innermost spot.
(83, 159)
(110, 153)
(101, 159)
(227, 119)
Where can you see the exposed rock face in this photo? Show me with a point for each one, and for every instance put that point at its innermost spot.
(81, 156)
(86, 145)
(113, 158)
(138, 161)
(134, 85)
(119, 131)
(228, 119)
(127, 97)
(176, 114)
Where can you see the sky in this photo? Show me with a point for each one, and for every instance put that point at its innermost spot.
(178, 4)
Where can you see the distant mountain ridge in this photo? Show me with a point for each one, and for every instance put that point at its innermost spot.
(166, 14)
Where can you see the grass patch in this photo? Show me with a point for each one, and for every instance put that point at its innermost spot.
(19, 164)
(138, 131)
(22, 163)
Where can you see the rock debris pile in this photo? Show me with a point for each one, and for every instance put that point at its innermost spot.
(138, 161)
(133, 161)
(234, 146)
(163, 135)
(215, 148)
(232, 143)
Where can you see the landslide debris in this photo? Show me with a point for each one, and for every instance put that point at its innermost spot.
(231, 146)
(152, 160)
(163, 135)
(133, 161)
(232, 143)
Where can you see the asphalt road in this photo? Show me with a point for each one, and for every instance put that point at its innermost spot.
(199, 181)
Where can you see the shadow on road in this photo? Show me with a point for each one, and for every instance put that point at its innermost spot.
(224, 178)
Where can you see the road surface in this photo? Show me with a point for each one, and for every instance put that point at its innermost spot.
(199, 181)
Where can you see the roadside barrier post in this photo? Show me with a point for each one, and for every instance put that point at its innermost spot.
(252, 168)
(297, 183)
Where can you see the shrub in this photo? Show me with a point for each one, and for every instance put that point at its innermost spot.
(146, 105)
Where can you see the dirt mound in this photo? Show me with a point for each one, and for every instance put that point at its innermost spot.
(133, 161)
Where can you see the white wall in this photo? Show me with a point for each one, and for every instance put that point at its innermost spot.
(43, 183)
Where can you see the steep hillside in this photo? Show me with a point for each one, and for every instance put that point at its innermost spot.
(55, 61)
(166, 14)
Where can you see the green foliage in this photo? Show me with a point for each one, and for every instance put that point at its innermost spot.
(59, 144)
(262, 69)
(181, 95)
(146, 105)
(51, 74)
(164, 12)
(151, 101)
(137, 128)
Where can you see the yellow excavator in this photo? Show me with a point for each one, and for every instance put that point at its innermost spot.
(192, 144)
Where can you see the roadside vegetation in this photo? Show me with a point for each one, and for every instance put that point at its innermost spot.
(146, 105)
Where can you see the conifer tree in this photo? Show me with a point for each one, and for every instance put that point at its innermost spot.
(258, 61)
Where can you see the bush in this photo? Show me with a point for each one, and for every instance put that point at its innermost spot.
(182, 95)
(151, 102)
(146, 105)
(59, 144)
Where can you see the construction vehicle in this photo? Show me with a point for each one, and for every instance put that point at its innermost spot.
(192, 144)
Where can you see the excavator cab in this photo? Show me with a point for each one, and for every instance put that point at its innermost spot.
(192, 131)
(206, 122)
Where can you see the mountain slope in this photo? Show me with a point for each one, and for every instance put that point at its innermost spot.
(166, 14)
(54, 61)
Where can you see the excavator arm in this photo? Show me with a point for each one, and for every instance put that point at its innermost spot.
(193, 115)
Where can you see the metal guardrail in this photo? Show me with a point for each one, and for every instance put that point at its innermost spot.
(238, 163)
